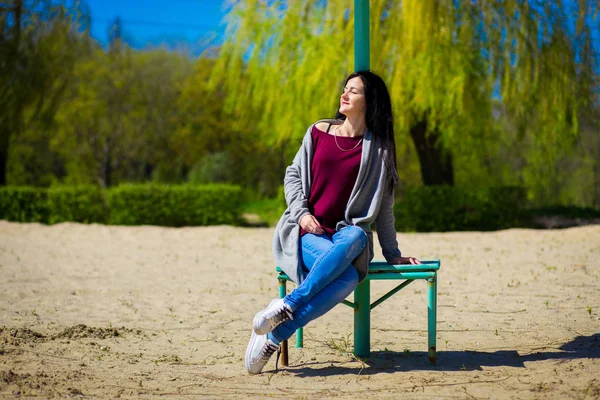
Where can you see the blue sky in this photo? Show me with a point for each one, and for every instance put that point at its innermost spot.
(154, 22)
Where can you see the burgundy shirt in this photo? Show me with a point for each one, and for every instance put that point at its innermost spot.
(333, 174)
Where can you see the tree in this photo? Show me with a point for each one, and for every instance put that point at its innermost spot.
(39, 43)
(119, 114)
(160, 77)
(449, 65)
(212, 145)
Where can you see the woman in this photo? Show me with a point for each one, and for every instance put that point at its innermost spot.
(341, 181)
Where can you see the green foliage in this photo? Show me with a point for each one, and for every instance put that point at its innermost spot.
(511, 88)
(213, 168)
(23, 204)
(149, 204)
(41, 42)
(173, 172)
(119, 115)
(566, 211)
(35, 164)
(508, 86)
(84, 204)
(268, 210)
(203, 126)
(175, 205)
(446, 208)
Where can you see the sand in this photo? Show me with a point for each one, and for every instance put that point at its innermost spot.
(107, 311)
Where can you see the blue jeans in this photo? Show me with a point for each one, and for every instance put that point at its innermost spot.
(331, 277)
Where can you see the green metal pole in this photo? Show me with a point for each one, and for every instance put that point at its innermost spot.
(432, 318)
(362, 293)
(299, 338)
(362, 319)
(361, 35)
(282, 288)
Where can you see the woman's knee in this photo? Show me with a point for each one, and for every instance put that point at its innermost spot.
(355, 235)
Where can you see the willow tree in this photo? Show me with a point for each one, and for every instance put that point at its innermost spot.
(452, 66)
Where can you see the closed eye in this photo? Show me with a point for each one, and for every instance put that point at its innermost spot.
(351, 90)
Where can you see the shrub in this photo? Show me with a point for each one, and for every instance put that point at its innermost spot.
(76, 204)
(23, 204)
(566, 211)
(447, 208)
(175, 205)
(503, 208)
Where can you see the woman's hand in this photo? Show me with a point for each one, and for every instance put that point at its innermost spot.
(310, 224)
(405, 260)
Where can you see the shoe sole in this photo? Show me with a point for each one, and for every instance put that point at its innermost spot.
(248, 351)
(255, 321)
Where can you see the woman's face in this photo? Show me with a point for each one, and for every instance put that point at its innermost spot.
(352, 101)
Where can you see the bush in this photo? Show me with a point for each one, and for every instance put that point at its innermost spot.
(447, 208)
(151, 204)
(179, 205)
(23, 204)
(566, 211)
(76, 204)
(503, 208)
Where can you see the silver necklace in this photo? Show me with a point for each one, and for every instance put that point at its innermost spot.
(336, 142)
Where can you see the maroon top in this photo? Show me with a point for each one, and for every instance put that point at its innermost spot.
(333, 174)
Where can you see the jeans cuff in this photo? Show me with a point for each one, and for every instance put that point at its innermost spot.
(290, 303)
(275, 336)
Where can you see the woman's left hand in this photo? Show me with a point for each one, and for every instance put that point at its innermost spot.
(405, 260)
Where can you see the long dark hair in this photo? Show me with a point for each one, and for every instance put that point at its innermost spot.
(379, 119)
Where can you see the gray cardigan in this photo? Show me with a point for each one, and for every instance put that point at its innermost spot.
(370, 201)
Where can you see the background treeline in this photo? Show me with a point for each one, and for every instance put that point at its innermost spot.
(75, 113)
(486, 95)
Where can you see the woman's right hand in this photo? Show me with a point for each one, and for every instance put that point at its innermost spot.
(310, 224)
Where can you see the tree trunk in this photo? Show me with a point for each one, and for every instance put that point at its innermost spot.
(5, 125)
(148, 168)
(436, 165)
(107, 164)
(3, 164)
(596, 167)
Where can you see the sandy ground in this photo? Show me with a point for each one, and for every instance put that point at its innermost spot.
(105, 311)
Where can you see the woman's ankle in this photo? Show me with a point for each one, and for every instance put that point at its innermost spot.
(272, 338)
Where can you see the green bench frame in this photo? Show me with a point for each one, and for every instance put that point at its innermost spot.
(379, 270)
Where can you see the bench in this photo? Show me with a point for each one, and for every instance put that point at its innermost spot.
(379, 270)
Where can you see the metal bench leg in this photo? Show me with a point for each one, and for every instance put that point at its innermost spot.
(431, 317)
(299, 338)
(283, 358)
(362, 319)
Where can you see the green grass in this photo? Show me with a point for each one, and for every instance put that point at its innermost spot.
(268, 210)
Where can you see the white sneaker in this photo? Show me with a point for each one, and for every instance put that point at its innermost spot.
(259, 350)
(276, 313)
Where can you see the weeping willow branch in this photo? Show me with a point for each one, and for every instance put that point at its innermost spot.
(454, 64)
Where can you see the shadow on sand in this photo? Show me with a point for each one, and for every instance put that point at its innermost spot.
(389, 361)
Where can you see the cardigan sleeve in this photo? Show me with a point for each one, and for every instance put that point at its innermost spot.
(386, 231)
(292, 184)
